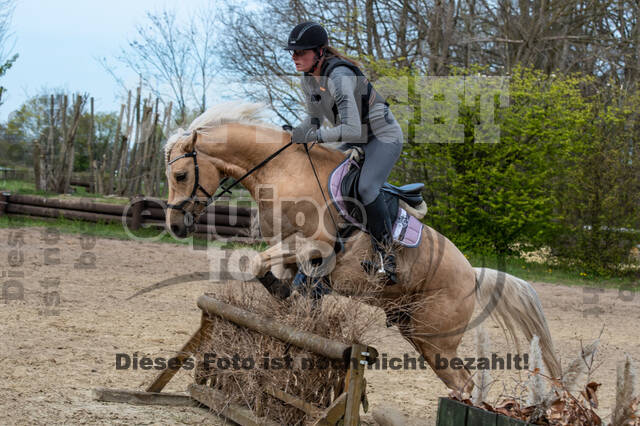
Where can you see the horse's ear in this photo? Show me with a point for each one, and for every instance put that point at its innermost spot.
(190, 144)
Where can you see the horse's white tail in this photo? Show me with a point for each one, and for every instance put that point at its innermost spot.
(514, 303)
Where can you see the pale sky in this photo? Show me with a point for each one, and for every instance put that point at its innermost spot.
(59, 40)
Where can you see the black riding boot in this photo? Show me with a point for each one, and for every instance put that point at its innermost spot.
(380, 227)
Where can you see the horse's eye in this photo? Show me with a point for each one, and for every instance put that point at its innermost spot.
(181, 176)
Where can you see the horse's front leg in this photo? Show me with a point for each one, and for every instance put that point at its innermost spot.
(282, 253)
(287, 255)
(278, 257)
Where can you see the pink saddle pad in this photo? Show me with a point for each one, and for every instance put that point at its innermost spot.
(407, 229)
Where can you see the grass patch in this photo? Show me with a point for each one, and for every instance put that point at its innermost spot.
(114, 230)
(29, 188)
(21, 187)
(81, 191)
(556, 273)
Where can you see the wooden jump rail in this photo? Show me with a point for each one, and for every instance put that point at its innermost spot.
(345, 407)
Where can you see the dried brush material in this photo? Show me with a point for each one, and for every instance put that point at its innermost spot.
(578, 371)
(626, 409)
(263, 363)
(536, 384)
(565, 410)
(562, 406)
(482, 380)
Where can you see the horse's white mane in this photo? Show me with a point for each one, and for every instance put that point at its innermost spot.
(227, 112)
(231, 112)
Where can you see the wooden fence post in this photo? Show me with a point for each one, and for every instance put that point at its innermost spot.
(355, 387)
(4, 200)
(136, 213)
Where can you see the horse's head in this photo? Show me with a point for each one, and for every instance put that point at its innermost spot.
(192, 179)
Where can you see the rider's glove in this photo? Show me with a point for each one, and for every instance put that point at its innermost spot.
(301, 135)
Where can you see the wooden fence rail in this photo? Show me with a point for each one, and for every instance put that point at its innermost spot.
(328, 348)
(220, 220)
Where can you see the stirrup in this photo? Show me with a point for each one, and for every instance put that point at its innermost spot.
(381, 269)
(371, 268)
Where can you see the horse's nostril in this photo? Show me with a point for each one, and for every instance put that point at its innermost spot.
(178, 230)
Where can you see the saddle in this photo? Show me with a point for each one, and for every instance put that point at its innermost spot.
(343, 188)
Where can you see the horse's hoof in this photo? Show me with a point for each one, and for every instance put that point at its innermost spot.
(276, 287)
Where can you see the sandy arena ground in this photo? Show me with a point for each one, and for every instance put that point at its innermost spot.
(52, 357)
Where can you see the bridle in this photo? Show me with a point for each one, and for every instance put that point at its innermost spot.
(196, 184)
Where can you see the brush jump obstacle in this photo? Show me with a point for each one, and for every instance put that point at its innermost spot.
(344, 407)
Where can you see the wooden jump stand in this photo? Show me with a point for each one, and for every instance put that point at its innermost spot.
(344, 410)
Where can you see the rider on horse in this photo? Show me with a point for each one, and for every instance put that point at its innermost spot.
(336, 90)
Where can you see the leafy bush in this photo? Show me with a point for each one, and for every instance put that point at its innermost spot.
(564, 171)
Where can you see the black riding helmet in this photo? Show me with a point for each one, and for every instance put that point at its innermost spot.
(307, 35)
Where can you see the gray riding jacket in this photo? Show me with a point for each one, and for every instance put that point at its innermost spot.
(344, 89)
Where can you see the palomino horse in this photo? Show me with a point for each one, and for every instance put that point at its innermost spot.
(230, 139)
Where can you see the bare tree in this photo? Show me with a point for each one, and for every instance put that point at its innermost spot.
(136, 165)
(7, 58)
(202, 34)
(599, 37)
(160, 55)
(53, 124)
(251, 52)
(69, 128)
(6, 14)
(414, 34)
(176, 60)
